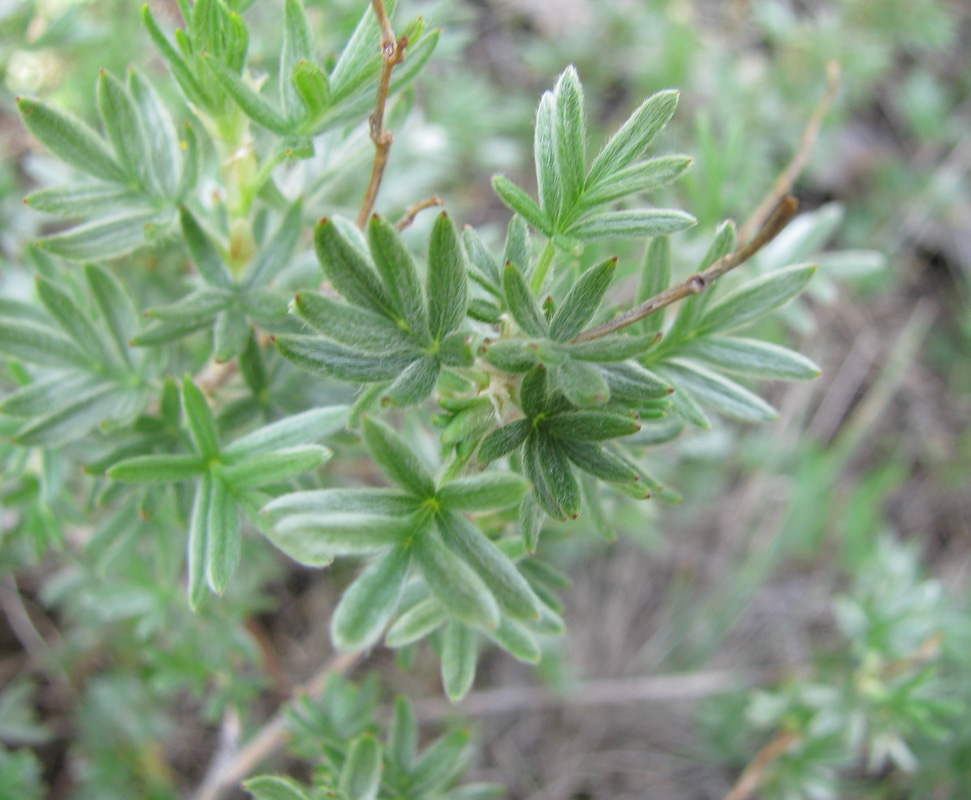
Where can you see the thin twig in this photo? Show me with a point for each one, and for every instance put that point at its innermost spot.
(700, 281)
(754, 773)
(412, 211)
(619, 692)
(783, 184)
(271, 737)
(392, 53)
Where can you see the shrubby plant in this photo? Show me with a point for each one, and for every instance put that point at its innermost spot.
(181, 370)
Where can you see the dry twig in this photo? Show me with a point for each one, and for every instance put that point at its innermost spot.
(412, 211)
(754, 773)
(392, 53)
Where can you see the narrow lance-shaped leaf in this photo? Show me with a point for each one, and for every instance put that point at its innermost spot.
(635, 223)
(348, 269)
(522, 304)
(290, 431)
(591, 425)
(349, 324)
(369, 602)
(198, 535)
(570, 135)
(253, 104)
(655, 278)
(583, 384)
(518, 201)
(158, 468)
(483, 492)
(204, 255)
(222, 537)
(70, 140)
(361, 776)
(544, 153)
(199, 418)
(457, 586)
(582, 301)
(39, 344)
(274, 787)
(162, 142)
(750, 357)
(503, 441)
(315, 539)
(460, 653)
(720, 393)
(756, 298)
(416, 623)
(184, 76)
(101, 239)
(274, 467)
(447, 281)
(415, 383)
(274, 254)
(229, 334)
(403, 735)
(328, 358)
(638, 178)
(73, 321)
(116, 307)
(297, 47)
(397, 269)
(560, 479)
(396, 459)
(634, 136)
(123, 127)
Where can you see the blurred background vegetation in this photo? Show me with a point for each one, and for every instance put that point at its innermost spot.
(815, 560)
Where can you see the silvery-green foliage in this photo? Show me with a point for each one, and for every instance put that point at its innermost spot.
(203, 421)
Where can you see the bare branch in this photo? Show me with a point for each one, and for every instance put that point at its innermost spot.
(700, 281)
(412, 211)
(392, 53)
(754, 773)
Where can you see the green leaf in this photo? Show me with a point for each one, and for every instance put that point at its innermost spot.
(416, 623)
(115, 306)
(276, 253)
(560, 480)
(161, 140)
(483, 492)
(361, 776)
(720, 393)
(197, 308)
(260, 470)
(191, 166)
(481, 259)
(611, 348)
(124, 128)
(274, 787)
(204, 256)
(517, 641)
(582, 383)
(79, 415)
(102, 239)
(754, 299)
(349, 269)
(439, 763)
(351, 325)
(530, 523)
(328, 358)
(198, 417)
(290, 431)
(503, 441)
(415, 383)
(634, 136)
(517, 248)
(456, 585)
(222, 537)
(569, 135)
(315, 539)
(509, 588)
(521, 203)
(750, 357)
(632, 384)
(511, 355)
(599, 462)
(403, 735)
(684, 405)
(655, 278)
(48, 393)
(184, 76)
(80, 200)
(397, 269)
(582, 301)
(447, 282)
(297, 48)
(534, 469)
(39, 344)
(248, 99)
(642, 177)
(158, 468)
(198, 536)
(374, 502)
(396, 459)
(632, 224)
(544, 153)
(230, 334)
(70, 140)
(588, 425)
(460, 653)
(161, 332)
(533, 392)
(310, 84)
(522, 305)
(456, 349)
(369, 602)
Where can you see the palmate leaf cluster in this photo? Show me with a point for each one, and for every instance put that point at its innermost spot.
(201, 425)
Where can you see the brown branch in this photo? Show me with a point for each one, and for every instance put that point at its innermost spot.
(230, 770)
(783, 184)
(754, 773)
(392, 53)
(700, 281)
(412, 211)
